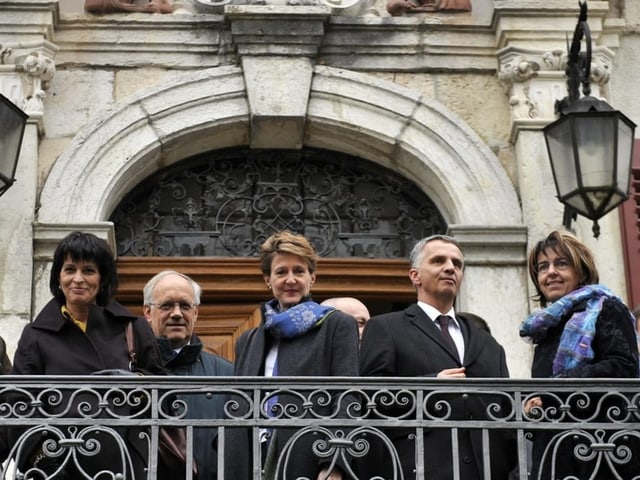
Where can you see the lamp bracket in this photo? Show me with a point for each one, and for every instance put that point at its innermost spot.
(578, 68)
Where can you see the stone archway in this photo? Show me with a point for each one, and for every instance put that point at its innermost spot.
(348, 112)
(345, 111)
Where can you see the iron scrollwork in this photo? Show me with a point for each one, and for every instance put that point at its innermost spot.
(228, 203)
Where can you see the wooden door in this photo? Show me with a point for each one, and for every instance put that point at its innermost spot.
(233, 288)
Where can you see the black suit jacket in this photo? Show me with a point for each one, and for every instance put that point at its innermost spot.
(409, 344)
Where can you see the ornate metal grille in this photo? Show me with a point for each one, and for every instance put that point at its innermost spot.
(227, 203)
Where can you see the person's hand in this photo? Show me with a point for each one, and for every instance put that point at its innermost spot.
(334, 475)
(452, 373)
(49, 466)
(530, 404)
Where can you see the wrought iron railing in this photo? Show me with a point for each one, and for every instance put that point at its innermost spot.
(72, 420)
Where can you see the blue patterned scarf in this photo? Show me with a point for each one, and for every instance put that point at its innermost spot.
(295, 321)
(577, 336)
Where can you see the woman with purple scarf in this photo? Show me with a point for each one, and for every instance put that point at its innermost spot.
(582, 331)
(297, 337)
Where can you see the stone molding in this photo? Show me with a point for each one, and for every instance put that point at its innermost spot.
(277, 30)
(46, 237)
(455, 42)
(544, 25)
(492, 245)
(377, 120)
(534, 80)
(522, 65)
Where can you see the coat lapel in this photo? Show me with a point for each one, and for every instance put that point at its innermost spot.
(422, 322)
(472, 345)
(255, 347)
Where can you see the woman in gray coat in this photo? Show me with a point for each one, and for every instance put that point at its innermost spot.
(297, 337)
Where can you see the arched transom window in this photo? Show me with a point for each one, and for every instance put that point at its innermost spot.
(226, 203)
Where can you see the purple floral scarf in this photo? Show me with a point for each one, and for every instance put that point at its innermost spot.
(577, 336)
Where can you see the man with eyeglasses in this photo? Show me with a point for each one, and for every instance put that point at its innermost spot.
(171, 302)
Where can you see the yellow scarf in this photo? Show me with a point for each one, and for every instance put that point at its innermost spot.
(67, 314)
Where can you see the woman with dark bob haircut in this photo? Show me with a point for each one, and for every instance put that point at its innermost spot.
(85, 247)
(582, 331)
(81, 331)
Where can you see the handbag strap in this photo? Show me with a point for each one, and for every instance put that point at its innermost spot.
(131, 345)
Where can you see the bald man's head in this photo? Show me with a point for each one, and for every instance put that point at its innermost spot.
(351, 306)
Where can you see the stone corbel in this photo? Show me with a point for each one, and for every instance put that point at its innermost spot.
(27, 68)
(522, 69)
(534, 80)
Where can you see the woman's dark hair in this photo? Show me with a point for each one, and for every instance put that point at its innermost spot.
(88, 248)
(568, 246)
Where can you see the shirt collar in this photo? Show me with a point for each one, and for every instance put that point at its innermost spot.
(434, 313)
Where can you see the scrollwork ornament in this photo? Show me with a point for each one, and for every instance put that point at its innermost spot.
(518, 70)
(600, 72)
(5, 53)
(37, 70)
(522, 106)
(555, 59)
(239, 406)
(37, 65)
(405, 400)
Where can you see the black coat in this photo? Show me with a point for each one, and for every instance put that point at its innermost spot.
(5, 363)
(408, 344)
(616, 356)
(193, 361)
(54, 345)
(328, 350)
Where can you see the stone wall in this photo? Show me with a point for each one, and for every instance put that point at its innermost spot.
(455, 101)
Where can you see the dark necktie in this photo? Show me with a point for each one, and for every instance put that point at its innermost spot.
(443, 321)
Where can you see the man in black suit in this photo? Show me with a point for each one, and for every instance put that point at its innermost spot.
(414, 343)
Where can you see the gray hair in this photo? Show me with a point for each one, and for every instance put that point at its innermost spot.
(147, 291)
(417, 252)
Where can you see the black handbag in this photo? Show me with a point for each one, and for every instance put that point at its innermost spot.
(172, 441)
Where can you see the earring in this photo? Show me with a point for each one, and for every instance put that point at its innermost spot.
(269, 286)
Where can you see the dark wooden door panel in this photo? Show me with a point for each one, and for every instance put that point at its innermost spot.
(233, 288)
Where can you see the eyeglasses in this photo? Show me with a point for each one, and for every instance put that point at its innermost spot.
(170, 306)
(558, 264)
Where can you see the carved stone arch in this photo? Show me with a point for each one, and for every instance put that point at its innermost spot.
(349, 112)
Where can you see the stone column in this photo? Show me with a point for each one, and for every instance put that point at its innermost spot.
(493, 282)
(26, 67)
(532, 57)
